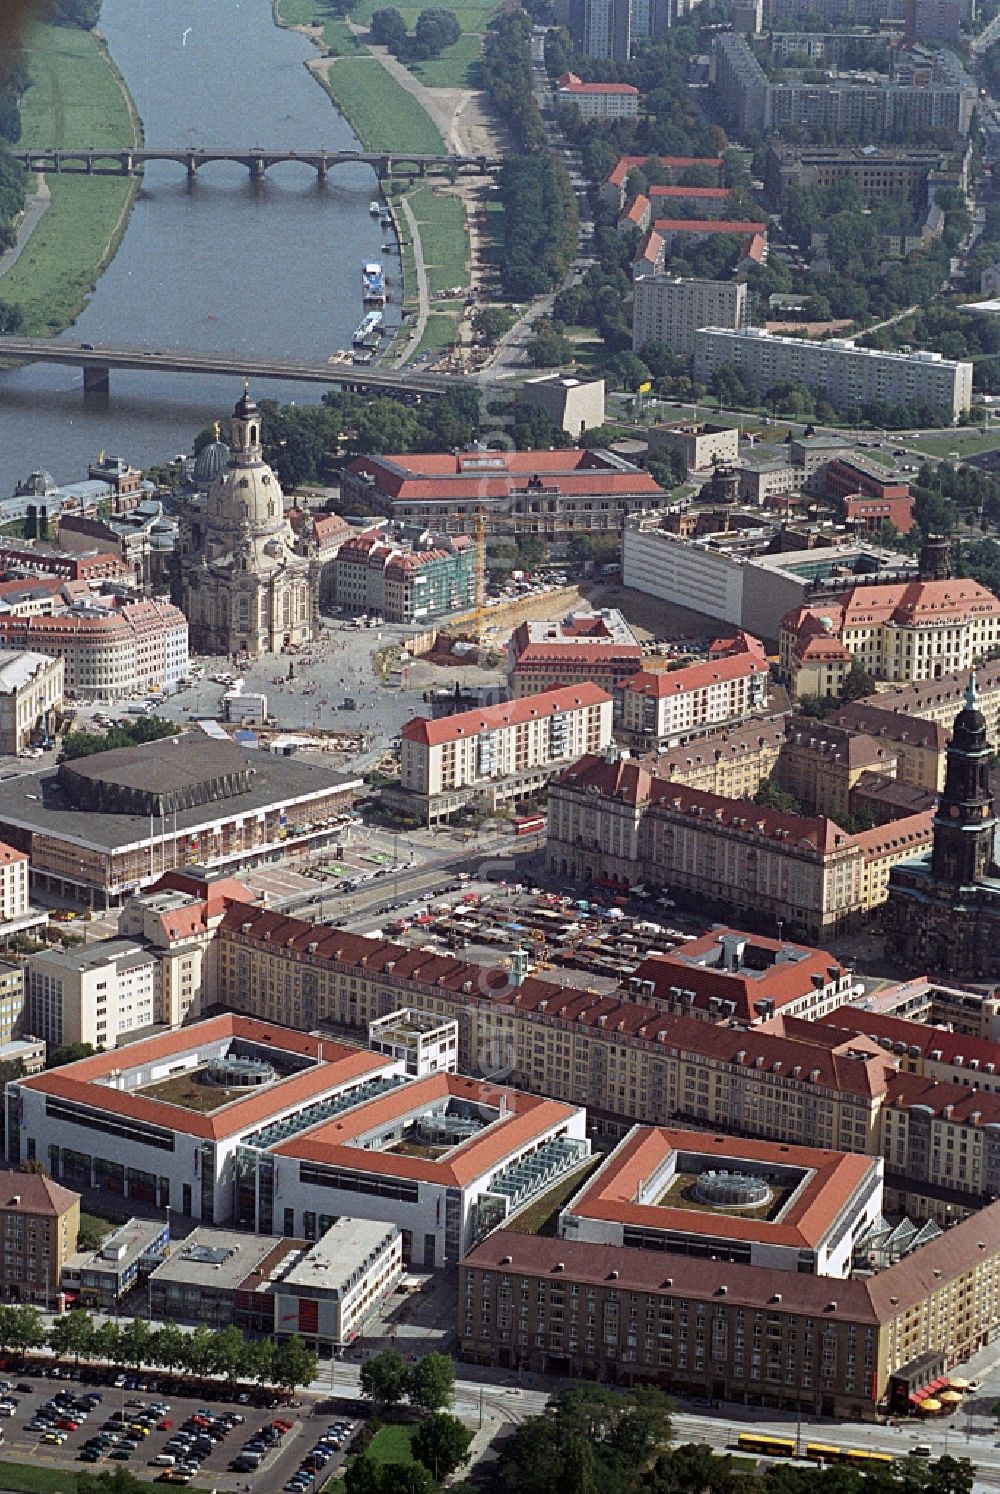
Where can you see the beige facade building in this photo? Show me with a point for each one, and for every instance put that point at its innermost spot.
(13, 884)
(732, 763)
(39, 1223)
(243, 586)
(665, 708)
(908, 632)
(546, 654)
(918, 745)
(108, 652)
(670, 310)
(99, 993)
(616, 821)
(31, 693)
(700, 444)
(574, 405)
(820, 764)
(938, 701)
(726, 1330)
(504, 751)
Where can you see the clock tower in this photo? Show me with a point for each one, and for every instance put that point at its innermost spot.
(965, 822)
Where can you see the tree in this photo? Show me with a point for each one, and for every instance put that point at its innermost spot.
(117, 1481)
(169, 1346)
(227, 1353)
(295, 1363)
(431, 1384)
(258, 1360)
(72, 1333)
(27, 1331)
(384, 1378)
(858, 682)
(490, 323)
(198, 1351)
(770, 796)
(136, 1342)
(33, 1166)
(364, 1476)
(548, 347)
(69, 1053)
(388, 29)
(105, 1342)
(441, 1442)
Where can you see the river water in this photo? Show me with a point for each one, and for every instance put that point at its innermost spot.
(221, 265)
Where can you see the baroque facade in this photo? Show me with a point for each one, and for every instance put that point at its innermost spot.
(242, 585)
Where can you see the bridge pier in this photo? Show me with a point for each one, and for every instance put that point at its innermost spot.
(126, 160)
(258, 167)
(192, 167)
(96, 379)
(322, 171)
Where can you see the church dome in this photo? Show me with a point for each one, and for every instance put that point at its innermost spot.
(210, 461)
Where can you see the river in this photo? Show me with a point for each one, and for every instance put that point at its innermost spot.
(220, 265)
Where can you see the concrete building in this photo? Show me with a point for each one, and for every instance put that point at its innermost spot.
(552, 494)
(870, 496)
(699, 443)
(14, 905)
(828, 1351)
(11, 1004)
(850, 377)
(598, 100)
(109, 652)
(329, 1291)
(602, 28)
(614, 821)
(574, 405)
(920, 630)
(201, 1278)
(243, 586)
(39, 1223)
(31, 695)
(669, 310)
(502, 753)
(423, 1044)
(662, 709)
(101, 827)
(100, 1279)
(376, 573)
(98, 993)
(691, 1194)
(731, 577)
(232, 1119)
(546, 655)
(879, 170)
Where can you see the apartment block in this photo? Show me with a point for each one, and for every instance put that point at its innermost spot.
(700, 443)
(725, 1330)
(662, 709)
(39, 1223)
(850, 377)
(547, 654)
(821, 764)
(31, 694)
(108, 653)
(733, 763)
(505, 751)
(670, 310)
(97, 994)
(14, 867)
(936, 701)
(880, 171)
(598, 100)
(614, 186)
(11, 1002)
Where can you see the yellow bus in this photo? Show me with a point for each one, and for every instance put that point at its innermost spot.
(858, 1458)
(768, 1447)
(820, 1452)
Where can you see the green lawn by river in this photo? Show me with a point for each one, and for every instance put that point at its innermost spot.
(74, 99)
(382, 115)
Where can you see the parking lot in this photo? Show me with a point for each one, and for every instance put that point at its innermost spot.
(211, 1439)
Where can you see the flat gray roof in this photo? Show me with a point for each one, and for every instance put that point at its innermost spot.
(37, 802)
(215, 1258)
(337, 1255)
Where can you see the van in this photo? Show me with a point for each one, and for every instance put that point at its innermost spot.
(922, 1450)
(163, 1460)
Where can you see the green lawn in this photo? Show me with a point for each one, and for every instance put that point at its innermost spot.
(440, 332)
(542, 1216)
(457, 66)
(969, 442)
(74, 97)
(382, 115)
(391, 1444)
(28, 1478)
(442, 236)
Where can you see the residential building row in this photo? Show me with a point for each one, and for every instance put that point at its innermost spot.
(914, 632)
(547, 654)
(879, 170)
(615, 820)
(653, 1054)
(850, 377)
(108, 652)
(670, 310)
(499, 754)
(614, 188)
(375, 574)
(666, 707)
(598, 100)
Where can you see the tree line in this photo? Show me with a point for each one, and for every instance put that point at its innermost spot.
(506, 77)
(433, 30)
(540, 225)
(440, 1443)
(592, 1440)
(136, 1344)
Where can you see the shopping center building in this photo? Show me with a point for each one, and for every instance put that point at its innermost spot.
(236, 1120)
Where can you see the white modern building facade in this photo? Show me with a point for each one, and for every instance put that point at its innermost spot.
(670, 310)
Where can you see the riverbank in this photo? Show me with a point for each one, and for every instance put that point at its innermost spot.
(76, 97)
(430, 107)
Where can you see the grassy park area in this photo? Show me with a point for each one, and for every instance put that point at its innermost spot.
(382, 115)
(75, 94)
(28, 1478)
(391, 1443)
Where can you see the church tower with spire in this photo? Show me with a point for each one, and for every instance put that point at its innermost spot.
(965, 822)
(244, 586)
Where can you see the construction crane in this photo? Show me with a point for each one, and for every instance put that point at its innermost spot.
(476, 617)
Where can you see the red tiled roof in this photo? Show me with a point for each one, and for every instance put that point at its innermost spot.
(570, 83)
(651, 248)
(898, 1034)
(513, 713)
(906, 834)
(497, 474)
(338, 1142)
(714, 194)
(800, 970)
(82, 1082)
(708, 225)
(637, 211)
(907, 604)
(955, 1102)
(815, 1209)
(695, 676)
(616, 176)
